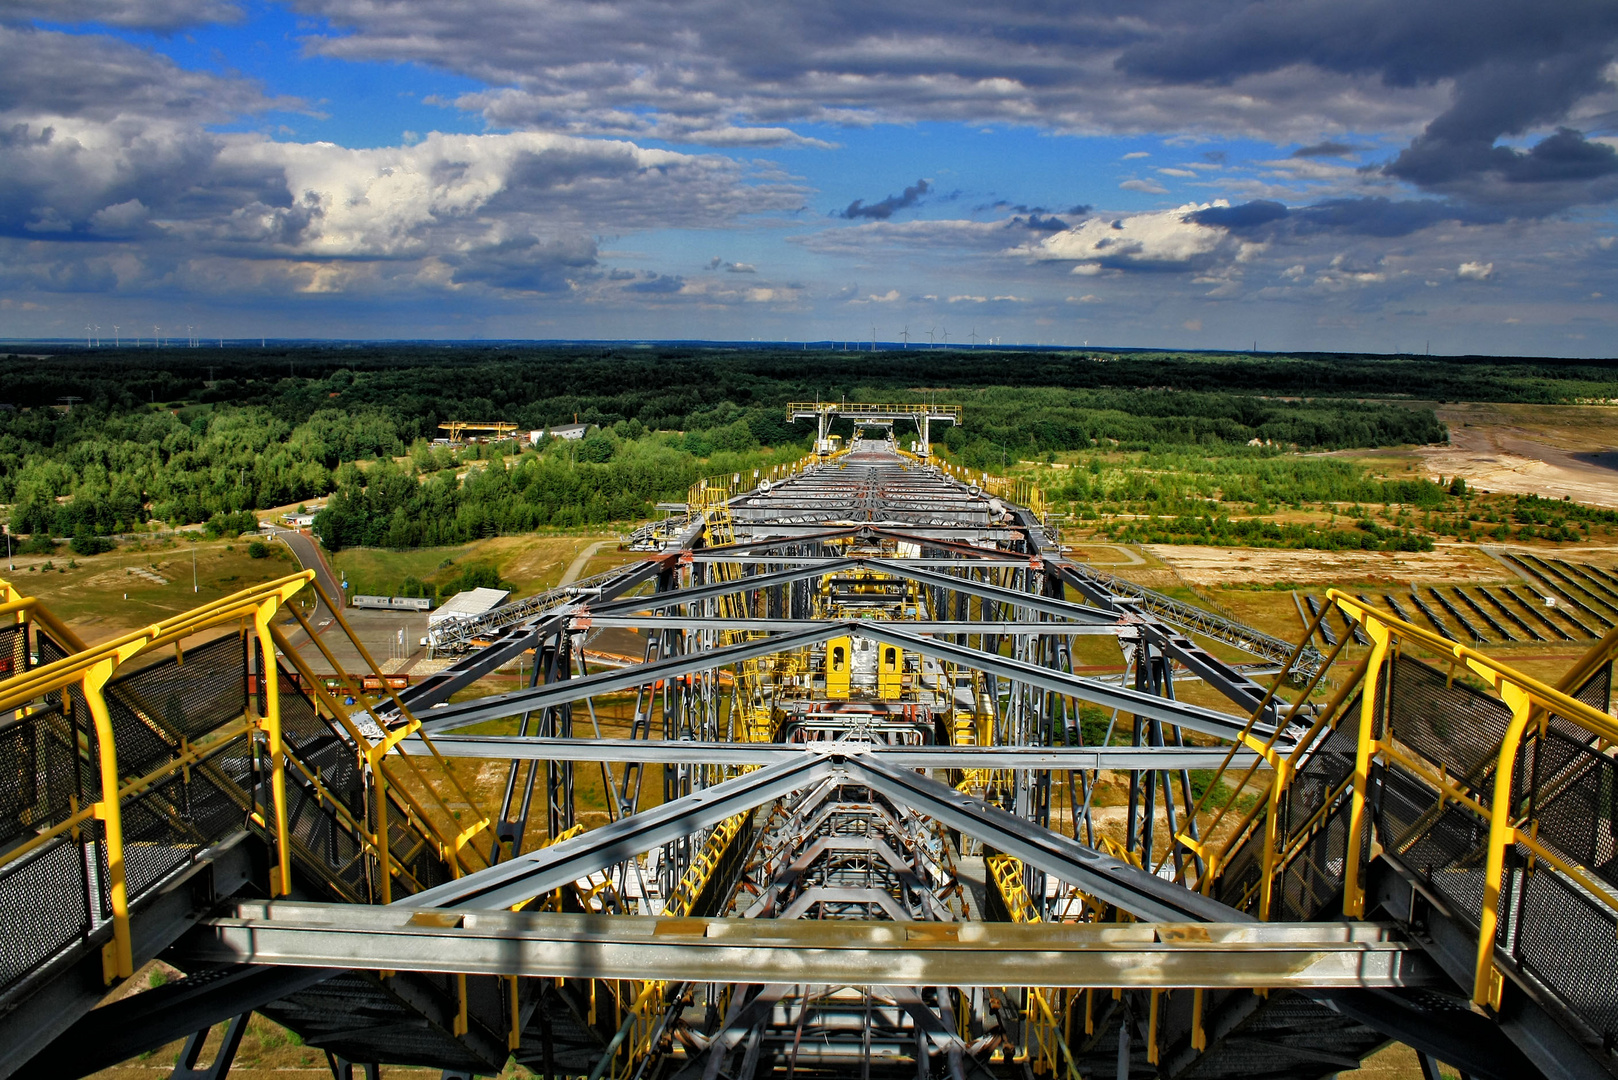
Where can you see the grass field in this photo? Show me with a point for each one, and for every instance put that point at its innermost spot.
(101, 596)
(532, 563)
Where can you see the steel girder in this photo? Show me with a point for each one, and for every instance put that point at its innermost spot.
(737, 755)
(1142, 705)
(586, 620)
(1110, 880)
(715, 590)
(529, 875)
(750, 951)
(497, 706)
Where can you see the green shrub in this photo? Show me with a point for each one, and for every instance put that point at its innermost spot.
(86, 543)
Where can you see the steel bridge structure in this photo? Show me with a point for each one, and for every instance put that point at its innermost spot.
(862, 806)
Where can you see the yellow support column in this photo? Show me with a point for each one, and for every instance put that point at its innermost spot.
(270, 678)
(1353, 891)
(122, 963)
(1486, 984)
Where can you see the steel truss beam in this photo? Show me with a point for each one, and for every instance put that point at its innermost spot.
(529, 875)
(552, 944)
(585, 620)
(498, 706)
(1142, 705)
(1110, 880)
(736, 755)
(1061, 609)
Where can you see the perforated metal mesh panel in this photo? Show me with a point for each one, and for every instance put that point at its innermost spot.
(1447, 723)
(1578, 808)
(13, 651)
(1329, 764)
(44, 906)
(40, 773)
(1241, 875)
(1569, 942)
(191, 696)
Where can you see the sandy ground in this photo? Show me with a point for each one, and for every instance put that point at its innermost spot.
(1548, 450)
(1216, 567)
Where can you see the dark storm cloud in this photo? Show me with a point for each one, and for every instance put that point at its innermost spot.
(1048, 223)
(46, 73)
(658, 284)
(1515, 67)
(1374, 216)
(882, 211)
(1325, 149)
(163, 16)
(526, 264)
(1406, 42)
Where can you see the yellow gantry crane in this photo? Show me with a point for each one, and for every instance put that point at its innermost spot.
(495, 431)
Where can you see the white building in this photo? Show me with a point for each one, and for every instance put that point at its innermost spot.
(560, 431)
(467, 604)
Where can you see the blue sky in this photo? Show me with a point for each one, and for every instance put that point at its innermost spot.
(1374, 174)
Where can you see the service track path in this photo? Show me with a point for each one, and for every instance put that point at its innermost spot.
(575, 569)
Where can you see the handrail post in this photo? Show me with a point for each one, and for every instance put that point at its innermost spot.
(1279, 782)
(1486, 984)
(384, 849)
(1353, 889)
(270, 678)
(122, 963)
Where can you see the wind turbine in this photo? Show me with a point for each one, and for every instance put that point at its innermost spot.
(157, 335)
(116, 342)
(930, 330)
(873, 339)
(974, 337)
(946, 337)
(98, 335)
(906, 335)
(87, 336)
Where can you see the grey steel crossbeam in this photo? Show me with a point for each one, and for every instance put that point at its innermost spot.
(1142, 894)
(984, 591)
(721, 588)
(730, 754)
(1044, 628)
(537, 872)
(496, 706)
(747, 951)
(988, 558)
(1209, 722)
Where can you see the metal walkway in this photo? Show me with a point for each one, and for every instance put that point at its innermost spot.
(858, 810)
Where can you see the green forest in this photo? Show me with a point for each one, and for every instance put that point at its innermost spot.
(94, 443)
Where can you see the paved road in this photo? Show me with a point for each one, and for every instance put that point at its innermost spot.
(575, 569)
(309, 556)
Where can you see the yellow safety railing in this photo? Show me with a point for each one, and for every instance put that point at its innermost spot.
(1492, 794)
(1532, 704)
(1013, 489)
(646, 998)
(90, 670)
